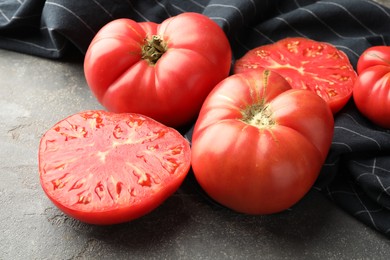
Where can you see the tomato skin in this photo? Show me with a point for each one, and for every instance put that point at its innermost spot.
(268, 167)
(172, 89)
(306, 64)
(376, 55)
(104, 168)
(371, 94)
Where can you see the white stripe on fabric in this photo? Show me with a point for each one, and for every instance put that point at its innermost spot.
(104, 9)
(25, 17)
(385, 190)
(257, 31)
(163, 6)
(330, 28)
(343, 144)
(56, 50)
(323, 23)
(330, 193)
(254, 6)
(137, 12)
(365, 209)
(263, 35)
(229, 6)
(240, 43)
(380, 7)
(351, 117)
(345, 48)
(371, 211)
(370, 166)
(331, 164)
(72, 13)
(5, 17)
(178, 8)
(291, 27)
(353, 17)
(196, 3)
(372, 173)
(359, 134)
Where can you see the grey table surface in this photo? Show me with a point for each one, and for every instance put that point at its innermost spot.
(35, 93)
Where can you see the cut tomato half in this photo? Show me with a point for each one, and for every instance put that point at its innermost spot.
(106, 168)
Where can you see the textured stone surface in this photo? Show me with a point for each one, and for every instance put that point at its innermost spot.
(36, 93)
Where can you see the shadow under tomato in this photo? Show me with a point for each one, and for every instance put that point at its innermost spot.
(192, 223)
(149, 230)
(312, 217)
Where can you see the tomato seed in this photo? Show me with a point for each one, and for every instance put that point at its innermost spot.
(119, 186)
(78, 184)
(99, 190)
(84, 199)
(135, 122)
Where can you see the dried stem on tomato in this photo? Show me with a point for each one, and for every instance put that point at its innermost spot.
(258, 115)
(153, 49)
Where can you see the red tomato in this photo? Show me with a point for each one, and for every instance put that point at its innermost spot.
(306, 64)
(371, 92)
(163, 71)
(376, 55)
(106, 168)
(258, 145)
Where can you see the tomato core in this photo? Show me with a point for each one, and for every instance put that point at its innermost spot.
(153, 49)
(258, 115)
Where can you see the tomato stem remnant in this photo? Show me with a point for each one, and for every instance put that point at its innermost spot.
(258, 115)
(153, 49)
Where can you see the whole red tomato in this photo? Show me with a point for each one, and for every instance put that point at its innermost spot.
(258, 145)
(371, 92)
(306, 64)
(376, 55)
(163, 71)
(105, 168)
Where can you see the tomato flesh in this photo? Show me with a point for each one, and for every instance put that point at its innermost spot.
(105, 168)
(306, 64)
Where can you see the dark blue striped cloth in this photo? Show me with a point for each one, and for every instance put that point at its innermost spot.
(356, 175)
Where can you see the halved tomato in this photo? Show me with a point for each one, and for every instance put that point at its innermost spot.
(106, 168)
